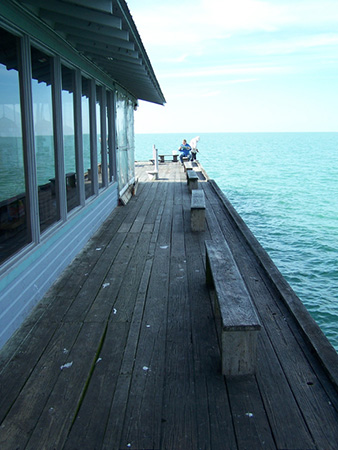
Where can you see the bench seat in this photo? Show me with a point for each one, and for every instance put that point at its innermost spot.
(236, 318)
(197, 212)
(187, 165)
(162, 158)
(192, 180)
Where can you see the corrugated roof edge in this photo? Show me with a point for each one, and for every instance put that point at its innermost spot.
(127, 17)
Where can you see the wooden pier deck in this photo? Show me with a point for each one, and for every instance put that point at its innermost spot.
(123, 354)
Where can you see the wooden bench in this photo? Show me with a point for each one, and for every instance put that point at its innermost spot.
(70, 181)
(197, 212)
(161, 158)
(236, 318)
(187, 165)
(192, 180)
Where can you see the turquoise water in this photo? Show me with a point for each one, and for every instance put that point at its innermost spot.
(285, 186)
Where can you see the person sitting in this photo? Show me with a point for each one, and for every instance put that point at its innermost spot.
(184, 151)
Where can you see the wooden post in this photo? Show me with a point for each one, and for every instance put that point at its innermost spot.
(155, 156)
(153, 174)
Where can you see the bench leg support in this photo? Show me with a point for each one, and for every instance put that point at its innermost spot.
(193, 184)
(239, 352)
(197, 219)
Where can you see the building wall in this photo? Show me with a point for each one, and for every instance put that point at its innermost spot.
(42, 225)
(24, 284)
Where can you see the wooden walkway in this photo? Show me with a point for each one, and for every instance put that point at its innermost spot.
(123, 354)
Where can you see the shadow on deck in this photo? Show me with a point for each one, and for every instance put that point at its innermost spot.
(123, 352)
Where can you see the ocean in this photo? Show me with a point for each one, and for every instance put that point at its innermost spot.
(285, 187)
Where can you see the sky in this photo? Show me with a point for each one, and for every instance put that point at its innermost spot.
(240, 65)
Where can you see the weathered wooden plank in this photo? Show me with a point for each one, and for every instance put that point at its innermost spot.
(17, 371)
(68, 390)
(120, 399)
(20, 340)
(143, 417)
(83, 265)
(90, 256)
(187, 165)
(197, 199)
(109, 387)
(137, 204)
(192, 180)
(104, 295)
(143, 212)
(286, 420)
(250, 422)
(94, 281)
(89, 427)
(306, 388)
(125, 288)
(236, 318)
(213, 414)
(144, 407)
(179, 416)
(23, 416)
(197, 213)
(155, 204)
(127, 296)
(237, 310)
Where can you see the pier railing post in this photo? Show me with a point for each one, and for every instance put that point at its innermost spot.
(155, 155)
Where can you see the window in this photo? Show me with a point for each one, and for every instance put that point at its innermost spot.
(69, 137)
(111, 127)
(14, 230)
(43, 134)
(86, 137)
(29, 167)
(125, 139)
(99, 137)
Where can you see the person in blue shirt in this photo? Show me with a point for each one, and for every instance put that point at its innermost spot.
(184, 151)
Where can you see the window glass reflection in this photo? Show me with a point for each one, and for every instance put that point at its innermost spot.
(98, 128)
(86, 137)
(102, 141)
(13, 199)
(109, 151)
(69, 137)
(122, 139)
(44, 144)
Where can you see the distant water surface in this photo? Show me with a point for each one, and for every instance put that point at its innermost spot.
(285, 187)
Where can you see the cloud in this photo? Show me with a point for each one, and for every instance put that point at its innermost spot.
(297, 44)
(176, 59)
(241, 15)
(193, 22)
(215, 71)
(219, 55)
(204, 90)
